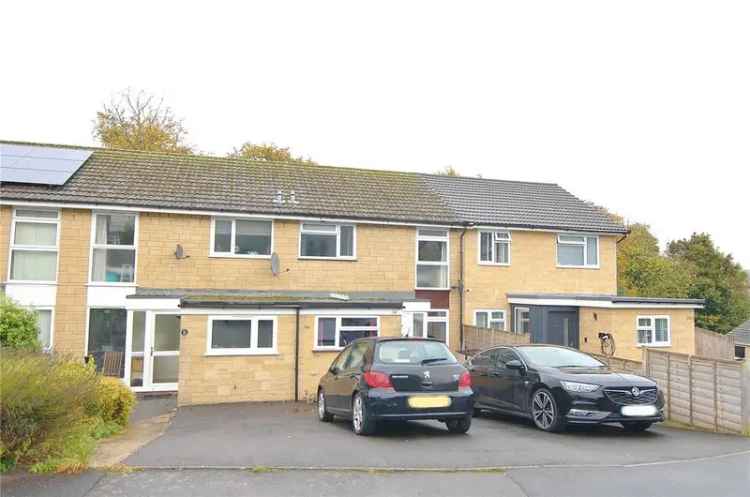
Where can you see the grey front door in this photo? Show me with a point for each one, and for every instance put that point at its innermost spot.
(562, 328)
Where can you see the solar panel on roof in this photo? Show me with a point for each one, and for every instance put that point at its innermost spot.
(39, 165)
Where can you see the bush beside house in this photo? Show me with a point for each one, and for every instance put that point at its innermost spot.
(53, 408)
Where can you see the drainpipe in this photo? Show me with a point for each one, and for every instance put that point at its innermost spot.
(461, 286)
(296, 355)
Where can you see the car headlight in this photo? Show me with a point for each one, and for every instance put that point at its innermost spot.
(572, 386)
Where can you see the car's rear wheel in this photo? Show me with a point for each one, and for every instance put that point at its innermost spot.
(460, 425)
(477, 412)
(636, 426)
(544, 411)
(323, 413)
(362, 422)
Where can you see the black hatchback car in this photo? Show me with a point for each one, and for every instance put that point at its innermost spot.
(377, 379)
(555, 386)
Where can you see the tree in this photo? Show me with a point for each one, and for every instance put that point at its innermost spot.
(18, 326)
(643, 272)
(717, 278)
(266, 152)
(448, 171)
(139, 121)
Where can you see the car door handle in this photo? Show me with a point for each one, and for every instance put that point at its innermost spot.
(496, 373)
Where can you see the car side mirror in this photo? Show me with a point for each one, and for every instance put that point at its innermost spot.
(515, 364)
(334, 370)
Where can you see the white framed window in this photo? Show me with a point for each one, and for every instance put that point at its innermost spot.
(34, 243)
(114, 238)
(578, 251)
(432, 259)
(654, 331)
(336, 332)
(45, 326)
(521, 320)
(327, 241)
(490, 318)
(494, 248)
(431, 324)
(242, 335)
(248, 238)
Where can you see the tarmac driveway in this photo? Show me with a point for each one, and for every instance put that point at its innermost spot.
(289, 435)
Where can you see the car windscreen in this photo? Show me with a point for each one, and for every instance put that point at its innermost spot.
(413, 352)
(554, 357)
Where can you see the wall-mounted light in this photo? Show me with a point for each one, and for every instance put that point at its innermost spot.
(179, 253)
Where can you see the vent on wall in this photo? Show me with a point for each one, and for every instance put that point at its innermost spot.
(39, 165)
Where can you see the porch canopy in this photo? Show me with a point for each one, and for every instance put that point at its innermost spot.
(601, 300)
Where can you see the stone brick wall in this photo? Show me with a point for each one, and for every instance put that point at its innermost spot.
(72, 277)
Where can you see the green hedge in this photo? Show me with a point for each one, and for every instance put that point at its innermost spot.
(18, 326)
(54, 408)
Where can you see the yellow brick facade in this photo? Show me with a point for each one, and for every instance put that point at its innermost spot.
(6, 213)
(621, 323)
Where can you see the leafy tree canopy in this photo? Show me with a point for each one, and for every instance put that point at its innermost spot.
(448, 171)
(267, 152)
(138, 121)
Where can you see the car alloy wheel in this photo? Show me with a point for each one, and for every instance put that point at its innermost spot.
(357, 414)
(323, 413)
(544, 411)
(362, 422)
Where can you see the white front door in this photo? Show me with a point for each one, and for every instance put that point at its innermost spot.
(153, 351)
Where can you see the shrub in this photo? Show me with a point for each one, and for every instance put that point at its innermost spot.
(18, 326)
(53, 408)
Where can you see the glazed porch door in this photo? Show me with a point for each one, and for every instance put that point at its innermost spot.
(154, 351)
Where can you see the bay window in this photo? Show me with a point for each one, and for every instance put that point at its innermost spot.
(577, 251)
(241, 335)
(34, 245)
(494, 319)
(653, 330)
(327, 241)
(432, 259)
(335, 332)
(113, 248)
(494, 247)
(241, 238)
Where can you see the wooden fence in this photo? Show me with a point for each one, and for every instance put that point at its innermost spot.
(476, 339)
(713, 345)
(712, 394)
(619, 364)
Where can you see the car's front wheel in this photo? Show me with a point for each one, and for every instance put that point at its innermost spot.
(636, 426)
(460, 425)
(323, 413)
(362, 422)
(544, 411)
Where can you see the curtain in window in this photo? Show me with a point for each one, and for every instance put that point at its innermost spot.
(44, 324)
(36, 234)
(29, 265)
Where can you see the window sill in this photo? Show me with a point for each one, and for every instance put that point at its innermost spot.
(238, 256)
(500, 264)
(654, 345)
(112, 284)
(327, 349)
(314, 258)
(30, 282)
(559, 266)
(231, 353)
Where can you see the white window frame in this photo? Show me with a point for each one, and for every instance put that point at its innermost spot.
(652, 329)
(426, 318)
(583, 244)
(338, 255)
(253, 349)
(339, 327)
(518, 320)
(51, 310)
(212, 249)
(490, 320)
(94, 245)
(34, 248)
(492, 262)
(417, 263)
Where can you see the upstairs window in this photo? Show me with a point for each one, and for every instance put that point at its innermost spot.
(577, 251)
(241, 238)
(113, 248)
(494, 319)
(327, 241)
(34, 244)
(432, 259)
(338, 332)
(654, 330)
(494, 247)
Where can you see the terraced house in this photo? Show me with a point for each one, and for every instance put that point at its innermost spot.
(231, 280)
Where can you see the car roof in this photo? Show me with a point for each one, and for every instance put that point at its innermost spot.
(393, 339)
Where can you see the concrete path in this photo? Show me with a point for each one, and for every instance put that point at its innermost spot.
(289, 435)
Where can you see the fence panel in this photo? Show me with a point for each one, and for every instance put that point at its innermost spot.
(713, 345)
(476, 339)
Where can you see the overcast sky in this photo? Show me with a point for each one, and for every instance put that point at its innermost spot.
(640, 106)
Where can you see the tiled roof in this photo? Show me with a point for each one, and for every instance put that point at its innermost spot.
(742, 333)
(191, 182)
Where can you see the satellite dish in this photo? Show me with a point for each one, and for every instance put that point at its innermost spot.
(275, 264)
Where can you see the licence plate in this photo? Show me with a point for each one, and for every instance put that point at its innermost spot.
(639, 410)
(427, 401)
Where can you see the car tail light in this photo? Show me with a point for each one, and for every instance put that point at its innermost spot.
(465, 380)
(376, 379)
